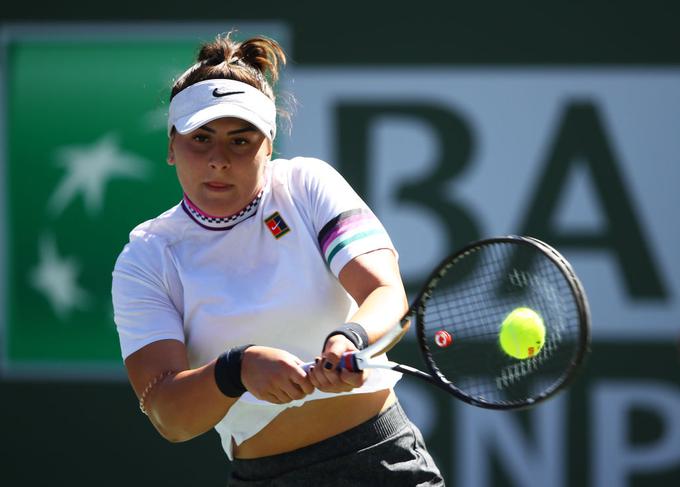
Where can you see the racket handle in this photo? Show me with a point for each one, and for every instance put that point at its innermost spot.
(347, 361)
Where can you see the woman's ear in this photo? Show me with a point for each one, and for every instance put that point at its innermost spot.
(171, 151)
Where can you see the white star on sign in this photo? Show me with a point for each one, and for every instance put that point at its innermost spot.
(55, 277)
(89, 169)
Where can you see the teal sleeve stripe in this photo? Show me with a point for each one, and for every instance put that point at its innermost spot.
(345, 243)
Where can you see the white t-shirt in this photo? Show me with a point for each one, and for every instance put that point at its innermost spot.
(269, 279)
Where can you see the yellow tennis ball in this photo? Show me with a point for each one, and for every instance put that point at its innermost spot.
(522, 333)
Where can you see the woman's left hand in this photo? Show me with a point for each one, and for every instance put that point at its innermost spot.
(324, 374)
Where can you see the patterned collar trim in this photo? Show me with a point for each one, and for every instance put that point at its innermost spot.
(220, 222)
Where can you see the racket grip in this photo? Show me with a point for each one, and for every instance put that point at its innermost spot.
(347, 361)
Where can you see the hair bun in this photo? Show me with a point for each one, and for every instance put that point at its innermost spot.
(216, 52)
(262, 54)
(255, 61)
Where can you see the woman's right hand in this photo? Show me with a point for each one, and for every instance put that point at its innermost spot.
(274, 375)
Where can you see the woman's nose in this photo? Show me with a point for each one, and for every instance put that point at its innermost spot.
(219, 158)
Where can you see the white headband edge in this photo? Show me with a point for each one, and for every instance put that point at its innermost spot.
(200, 102)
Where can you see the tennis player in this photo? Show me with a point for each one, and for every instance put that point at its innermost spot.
(263, 265)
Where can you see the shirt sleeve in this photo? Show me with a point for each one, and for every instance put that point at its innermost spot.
(145, 296)
(345, 226)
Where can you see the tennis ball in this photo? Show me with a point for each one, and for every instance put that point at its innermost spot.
(522, 333)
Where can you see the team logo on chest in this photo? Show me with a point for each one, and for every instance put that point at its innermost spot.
(276, 224)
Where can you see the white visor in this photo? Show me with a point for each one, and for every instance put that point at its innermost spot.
(209, 100)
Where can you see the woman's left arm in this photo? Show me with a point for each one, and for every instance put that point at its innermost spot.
(374, 281)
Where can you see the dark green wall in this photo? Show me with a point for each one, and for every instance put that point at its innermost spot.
(394, 32)
(75, 433)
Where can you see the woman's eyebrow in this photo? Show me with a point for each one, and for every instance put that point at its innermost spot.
(248, 128)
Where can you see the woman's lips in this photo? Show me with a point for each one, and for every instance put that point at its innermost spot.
(217, 186)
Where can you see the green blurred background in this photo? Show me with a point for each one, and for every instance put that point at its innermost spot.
(454, 120)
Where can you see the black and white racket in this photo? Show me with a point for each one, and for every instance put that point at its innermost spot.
(458, 315)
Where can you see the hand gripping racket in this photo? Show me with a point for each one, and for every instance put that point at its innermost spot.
(459, 312)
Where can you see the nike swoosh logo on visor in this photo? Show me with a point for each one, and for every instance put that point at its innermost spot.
(217, 93)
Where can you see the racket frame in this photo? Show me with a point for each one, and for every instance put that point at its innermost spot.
(420, 305)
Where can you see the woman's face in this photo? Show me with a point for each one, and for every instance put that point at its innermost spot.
(221, 164)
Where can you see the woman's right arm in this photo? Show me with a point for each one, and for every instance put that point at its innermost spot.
(186, 402)
(183, 404)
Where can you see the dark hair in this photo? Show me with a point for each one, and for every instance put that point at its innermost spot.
(254, 61)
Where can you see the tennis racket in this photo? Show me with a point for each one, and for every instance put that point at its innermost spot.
(458, 314)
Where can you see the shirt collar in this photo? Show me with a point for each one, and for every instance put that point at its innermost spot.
(220, 222)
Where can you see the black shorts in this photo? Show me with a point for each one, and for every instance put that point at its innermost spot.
(387, 450)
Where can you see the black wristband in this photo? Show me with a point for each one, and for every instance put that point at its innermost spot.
(228, 371)
(354, 332)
